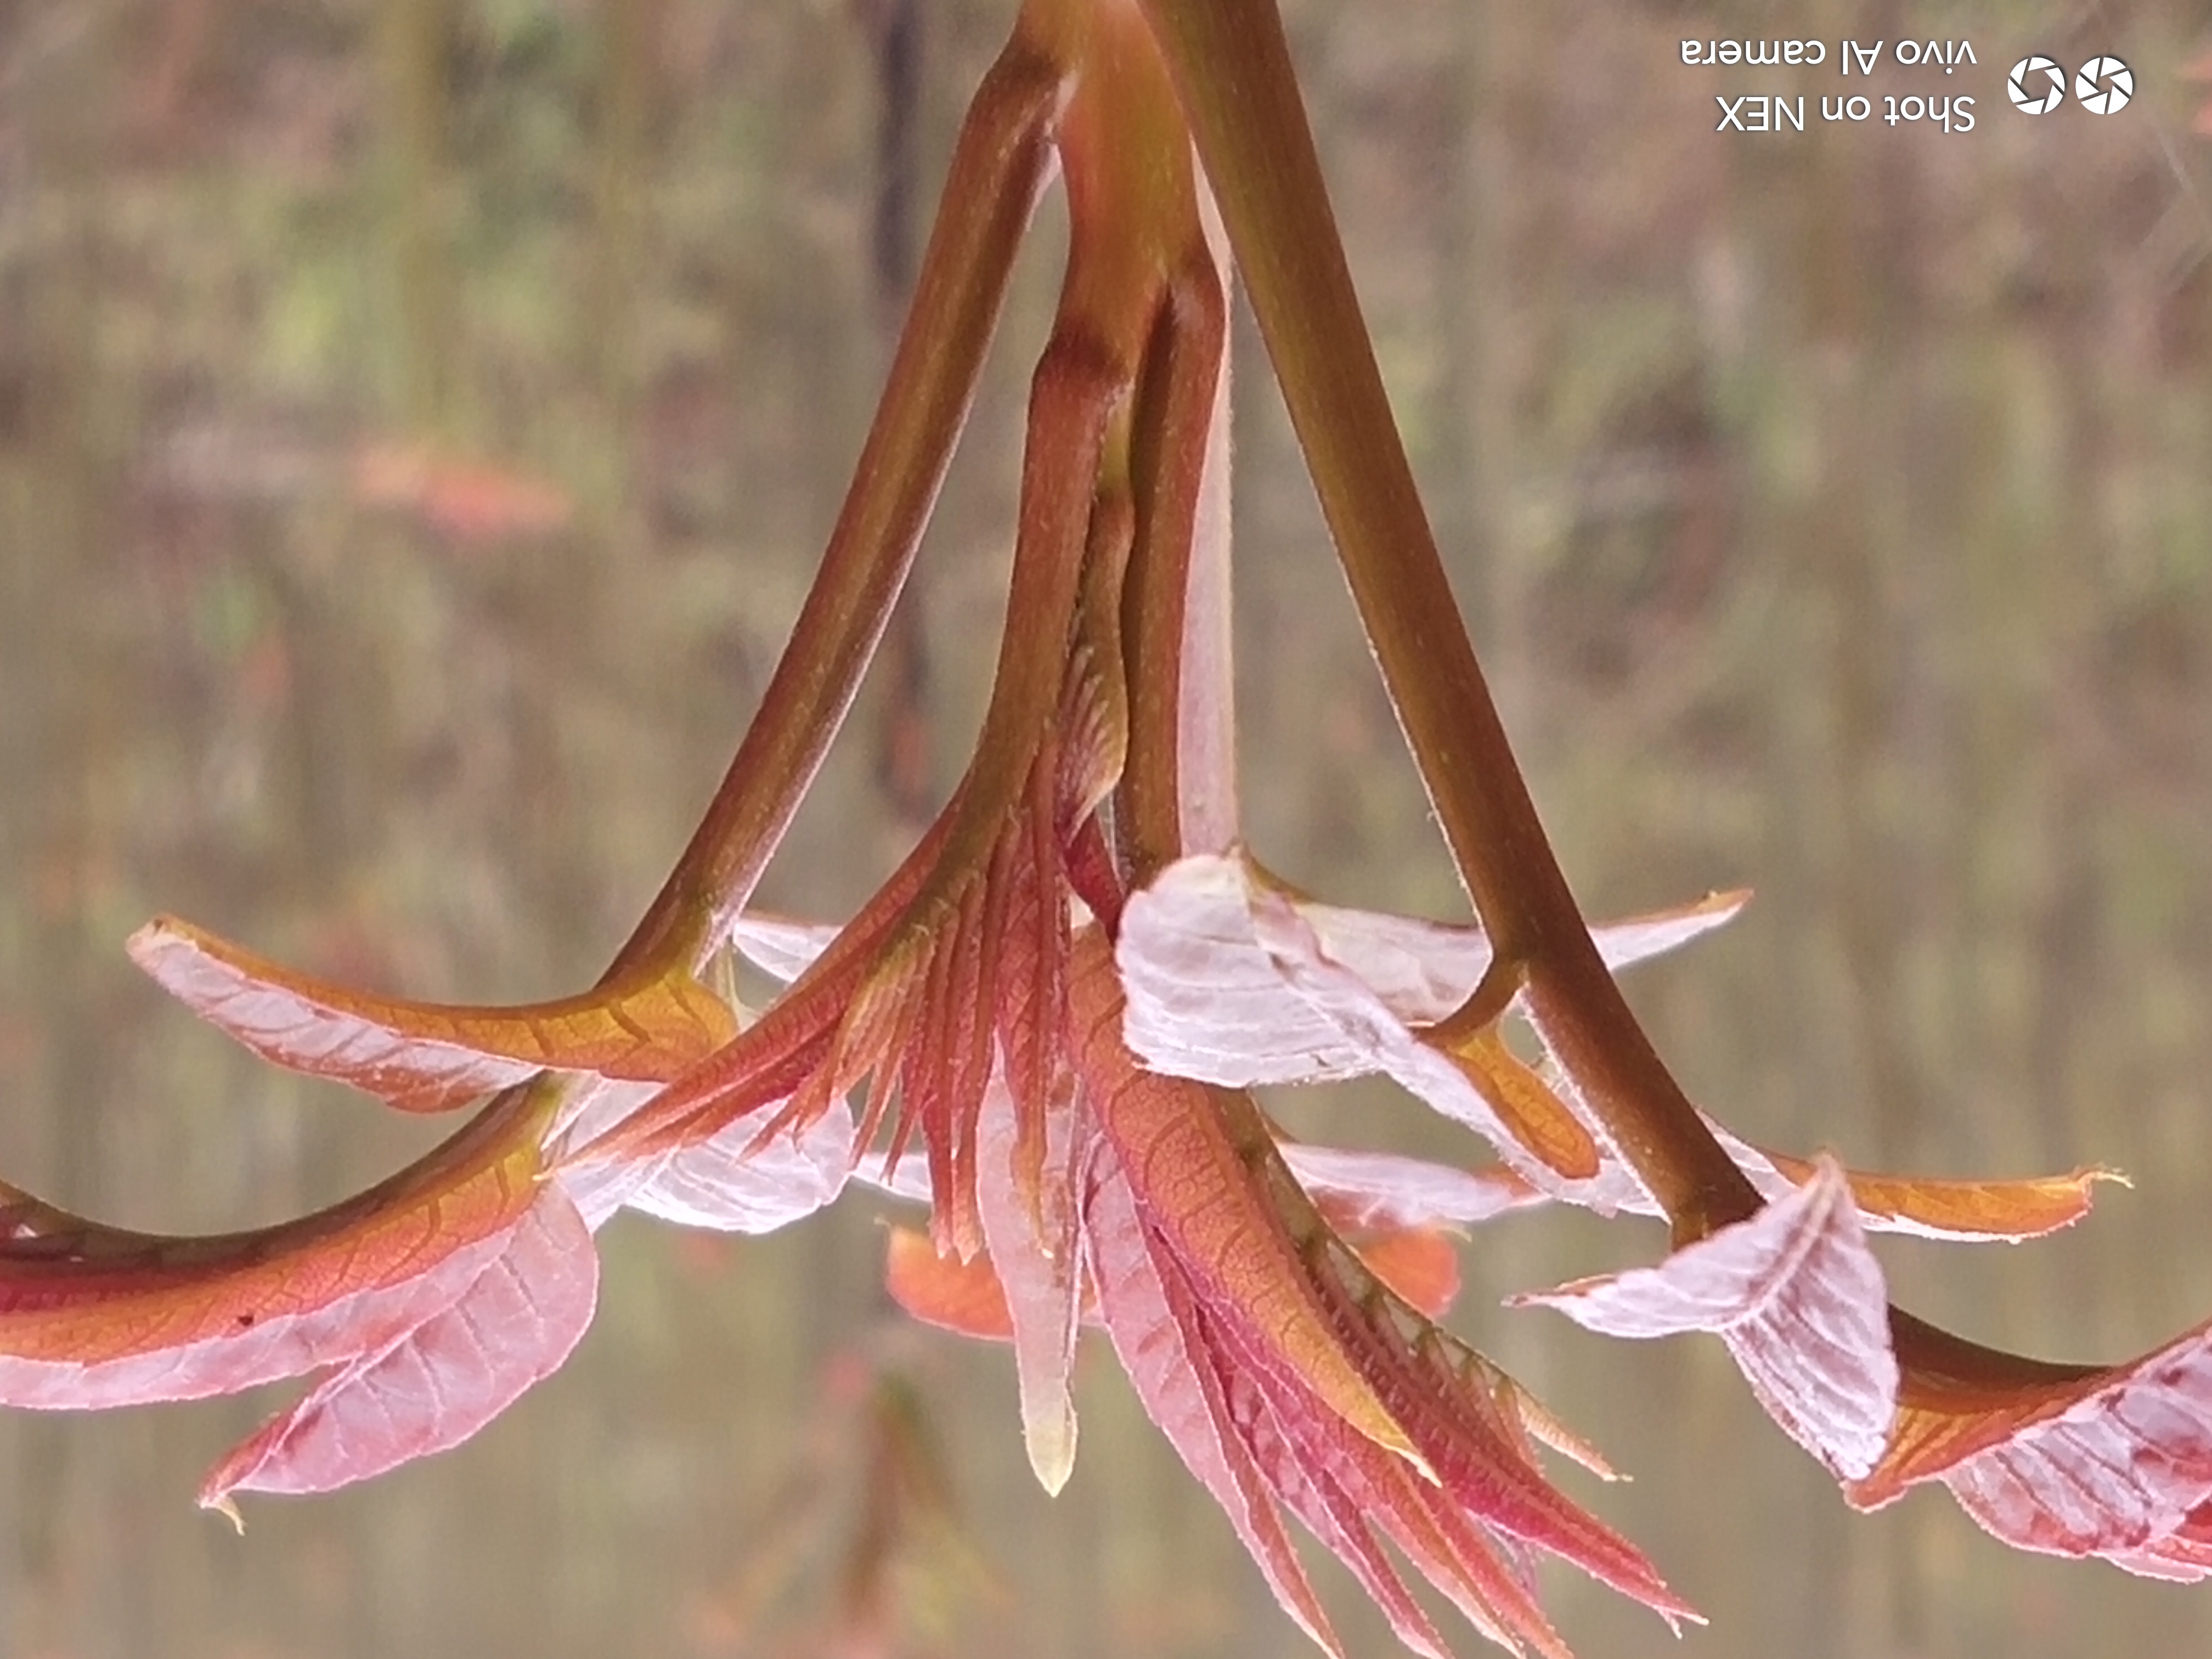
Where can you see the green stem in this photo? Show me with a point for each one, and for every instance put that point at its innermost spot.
(998, 170)
(1232, 69)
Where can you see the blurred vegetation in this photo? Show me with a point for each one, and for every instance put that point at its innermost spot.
(417, 421)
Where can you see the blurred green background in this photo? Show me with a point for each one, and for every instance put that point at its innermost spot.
(417, 423)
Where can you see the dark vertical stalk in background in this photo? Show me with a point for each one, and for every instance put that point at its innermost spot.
(629, 33)
(414, 39)
(902, 737)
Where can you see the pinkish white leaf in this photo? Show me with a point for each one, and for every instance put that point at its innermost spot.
(727, 1184)
(1206, 1001)
(283, 1021)
(1800, 1301)
(1423, 970)
(1038, 1257)
(444, 1381)
(1383, 1189)
(778, 946)
(731, 1184)
(907, 1177)
(1215, 996)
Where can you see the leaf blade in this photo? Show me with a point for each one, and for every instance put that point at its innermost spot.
(1799, 1300)
(135, 1317)
(427, 1056)
(447, 1378)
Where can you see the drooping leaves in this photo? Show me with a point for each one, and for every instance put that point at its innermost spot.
(1214, 998)
(1193, 1169)
(433, 1300)
(1271, 1301)
(1233, 981)
(1396, 1212)
(435, 1387)
(1283, 1297)
(1151, 1314)
(431, 1057)
(915, 1002)
(2112, 1461)
(1799, 1300)
(94, 1316)
(1258, 1434)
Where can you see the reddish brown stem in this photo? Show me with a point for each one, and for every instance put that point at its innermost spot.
(1168, 443)
(998, 169)
(1078, 385)
(1232, 70)
(1131, 213)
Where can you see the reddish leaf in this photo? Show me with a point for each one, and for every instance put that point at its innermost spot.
(1219, 1207)
(964, 1298)
(441, 1383)
(431, 1057)
(94, 1316)
(1253, 1431)
(2113, 1462)
(1799, 1299)
(907, 1001)
(1419, 1264)
(1193, 1182)
(1344, 1488)
(1935, 1208)
(1150, 1312)
(1538, 1119)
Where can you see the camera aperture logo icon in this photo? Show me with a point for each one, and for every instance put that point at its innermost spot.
(2103, 85)
(2038, 85)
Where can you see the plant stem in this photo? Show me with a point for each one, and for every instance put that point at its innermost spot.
(1133, 226)
(1173, 785)
(998, 170)
(1232, 69)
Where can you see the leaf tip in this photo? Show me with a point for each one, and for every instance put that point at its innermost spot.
(221, 1504)
(152, 937)
(1049, 1437)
